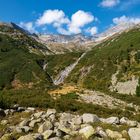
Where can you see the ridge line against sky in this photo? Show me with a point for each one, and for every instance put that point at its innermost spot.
(69, 17)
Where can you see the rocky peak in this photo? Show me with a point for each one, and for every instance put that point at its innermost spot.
(115, 30)
(78, 38)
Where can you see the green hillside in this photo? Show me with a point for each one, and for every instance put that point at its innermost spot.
(59, 62)
(25, 81)
(122, 52)
(19, 65)
(22, 59)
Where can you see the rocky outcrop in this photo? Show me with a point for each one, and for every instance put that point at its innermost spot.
(134, 133)
(111, 120)
(99, 98)
(127, 87)
(90, 118)
(87, 131)
(113, 134)
(27, 137)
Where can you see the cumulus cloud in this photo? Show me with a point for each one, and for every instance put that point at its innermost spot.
(77, 23)
(79, 20)
(28, 26)
(55, 17)
(109, 3)
(125, 19)
(92, 30)
(63, 24)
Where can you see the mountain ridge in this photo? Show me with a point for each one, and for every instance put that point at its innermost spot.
(102, 78)
(53, 63)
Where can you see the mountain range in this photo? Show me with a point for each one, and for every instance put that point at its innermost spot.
(107, 59)
(74, 75)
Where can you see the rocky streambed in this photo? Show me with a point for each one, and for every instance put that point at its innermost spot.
(21, 123)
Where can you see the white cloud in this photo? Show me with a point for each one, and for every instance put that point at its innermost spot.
(92, 30)
(125, 19)
(28, 26)
(55, 17)
(109, 3)
(58, 19)
(79, 20)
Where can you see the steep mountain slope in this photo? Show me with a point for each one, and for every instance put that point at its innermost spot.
(24, 61)
(115, 30)
(96, 69)
(112, 65)
(23, 37)
(20, 59)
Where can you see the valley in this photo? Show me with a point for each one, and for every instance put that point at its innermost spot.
(69, 87)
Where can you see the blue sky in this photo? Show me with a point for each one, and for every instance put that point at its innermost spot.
(69, 16)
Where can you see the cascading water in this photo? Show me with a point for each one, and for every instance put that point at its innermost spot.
(65, 73)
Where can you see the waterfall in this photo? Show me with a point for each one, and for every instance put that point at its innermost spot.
(65, 73)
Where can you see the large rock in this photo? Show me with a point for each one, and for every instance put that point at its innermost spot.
(87, 131)
(24, 129)
(54, 138)
(124, 120)
(7, 111)
(101, 132)
(111, 120)
(27, 137)
(66, 118)
(20, 109)
(30, 109)
(24, 123)
(138, 125)
(67, 137)
(45, 126)
(47, 134)
(50, 112)
(38, 114)
(4, 122)
(77, 120)
(52, 118)
(7, 137)
(90, 118)
(121, 139)
(134, 133)
(38, 136)
(113, 134)
(64, 129)
(58, 132)
(34, 122)
(75, 127)
(130, 123)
